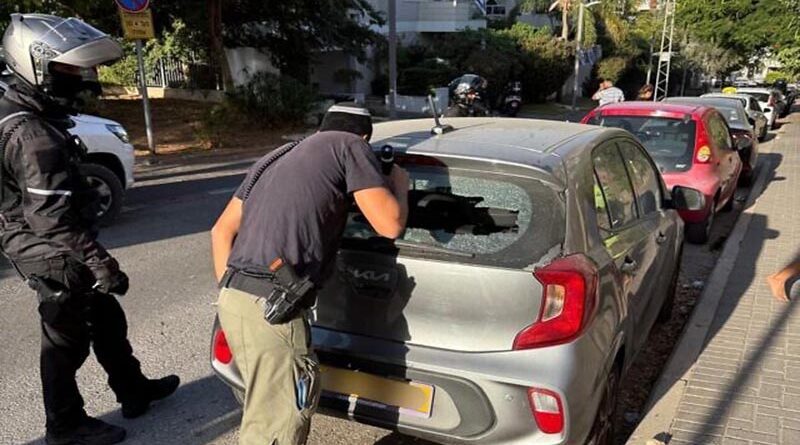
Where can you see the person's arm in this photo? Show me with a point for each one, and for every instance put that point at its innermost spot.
(386, 210)
(48, 189)
(596, 96)
(223, 234)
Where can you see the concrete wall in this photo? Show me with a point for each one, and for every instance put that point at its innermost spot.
(246, 61)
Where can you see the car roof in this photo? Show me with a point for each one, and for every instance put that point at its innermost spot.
(736, 96)
(647, 108)
(727, 102)
(755, 90)
(533, 143)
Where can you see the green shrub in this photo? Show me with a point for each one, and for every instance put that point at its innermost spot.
(546, 61)
(612, 68)
(418, 81)
(273, 100)
(345, 76)
(774, 76)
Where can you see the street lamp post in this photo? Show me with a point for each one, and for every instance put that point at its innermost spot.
(393, 59)
(581, 8)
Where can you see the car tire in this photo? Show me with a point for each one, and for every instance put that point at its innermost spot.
(604, 425)
(110, 189)
(665, 313)
(746, 180)
(698, 233)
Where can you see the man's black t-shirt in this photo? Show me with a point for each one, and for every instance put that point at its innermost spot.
(298, 209)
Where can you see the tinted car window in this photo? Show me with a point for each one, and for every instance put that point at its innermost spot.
(670, 142)
(718, 131)
(494, 218)
(761, 97)
(754, 105)
(644, 178)
(615, 185)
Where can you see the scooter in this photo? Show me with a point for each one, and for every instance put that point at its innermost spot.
(512, 99)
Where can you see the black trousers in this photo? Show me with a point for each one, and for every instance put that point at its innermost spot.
(86, 319)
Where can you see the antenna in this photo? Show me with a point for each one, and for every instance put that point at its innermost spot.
(438, 128)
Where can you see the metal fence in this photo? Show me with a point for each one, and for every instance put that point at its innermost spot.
(173, 73)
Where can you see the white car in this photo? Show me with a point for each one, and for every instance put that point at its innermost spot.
(768, 102)
(109, 162)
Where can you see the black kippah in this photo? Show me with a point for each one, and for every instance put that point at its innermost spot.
(348, 117)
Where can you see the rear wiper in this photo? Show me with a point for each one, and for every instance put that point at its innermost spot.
(433, 249)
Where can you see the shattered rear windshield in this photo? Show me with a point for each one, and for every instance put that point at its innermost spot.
(471, 215)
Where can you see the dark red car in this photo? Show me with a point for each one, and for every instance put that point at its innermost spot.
(692, 146)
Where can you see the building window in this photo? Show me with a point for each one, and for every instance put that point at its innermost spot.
(493, 9)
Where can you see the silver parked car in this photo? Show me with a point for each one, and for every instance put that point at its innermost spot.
(537, 257)
(757, 119)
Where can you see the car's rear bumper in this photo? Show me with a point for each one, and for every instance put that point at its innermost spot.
(479, 398)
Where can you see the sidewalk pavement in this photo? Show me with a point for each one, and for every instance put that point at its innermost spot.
(744, 388)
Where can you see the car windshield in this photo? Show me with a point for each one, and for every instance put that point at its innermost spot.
(469, 215)
(733, 116)
(669, 141)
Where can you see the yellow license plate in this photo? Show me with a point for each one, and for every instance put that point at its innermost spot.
(409, 397)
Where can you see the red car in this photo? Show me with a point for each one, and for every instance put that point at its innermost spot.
(692, 146)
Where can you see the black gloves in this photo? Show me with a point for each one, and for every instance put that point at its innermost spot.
(109, 278)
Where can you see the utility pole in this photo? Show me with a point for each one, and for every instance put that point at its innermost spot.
(581, 11)
(393, 59)
(665, 53)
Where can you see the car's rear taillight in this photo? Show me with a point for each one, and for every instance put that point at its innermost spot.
(703, 155)
(222, 353)
(569, 298)
(547, 409)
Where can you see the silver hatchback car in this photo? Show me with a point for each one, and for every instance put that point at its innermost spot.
(537, 257)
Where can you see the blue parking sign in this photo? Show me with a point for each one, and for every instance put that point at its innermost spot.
(133, 5)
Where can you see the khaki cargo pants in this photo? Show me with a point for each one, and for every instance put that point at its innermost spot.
(276, 363)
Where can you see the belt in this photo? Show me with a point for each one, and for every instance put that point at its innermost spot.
(258, 285)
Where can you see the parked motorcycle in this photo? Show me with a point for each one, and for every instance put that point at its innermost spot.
(468, 96)
(511, 101)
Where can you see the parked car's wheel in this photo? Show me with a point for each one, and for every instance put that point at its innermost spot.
(665, 313)
(109, 189)
(605, 421)
(698, 233)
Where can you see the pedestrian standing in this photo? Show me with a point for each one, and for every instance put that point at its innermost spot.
(608, 93)
(46, 232)
(275, 244)
(645, 93)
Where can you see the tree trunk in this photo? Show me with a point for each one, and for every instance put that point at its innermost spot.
(219, 59)
(565, 19)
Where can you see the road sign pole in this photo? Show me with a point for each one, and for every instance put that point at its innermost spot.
(145, 101)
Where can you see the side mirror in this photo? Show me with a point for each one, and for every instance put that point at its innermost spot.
(685, 198)
(767, 110)
(752, 121)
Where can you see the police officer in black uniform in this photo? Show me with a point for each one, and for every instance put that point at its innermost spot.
(45, 231)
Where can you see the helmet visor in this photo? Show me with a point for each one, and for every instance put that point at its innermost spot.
(56, 36)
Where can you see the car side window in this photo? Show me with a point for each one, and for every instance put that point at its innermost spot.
(754, 105)
(719, 132)
(614, 185)
(600, 206)
(644, 177)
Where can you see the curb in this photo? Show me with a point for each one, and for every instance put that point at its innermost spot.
(668, 390)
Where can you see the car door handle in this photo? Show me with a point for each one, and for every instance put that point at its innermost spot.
(661, 238)
(629, 266)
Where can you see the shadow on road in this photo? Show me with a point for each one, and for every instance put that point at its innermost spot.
(198, 413)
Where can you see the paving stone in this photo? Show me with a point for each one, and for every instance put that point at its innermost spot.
(766, 424)
(748, 376)
(789, 436)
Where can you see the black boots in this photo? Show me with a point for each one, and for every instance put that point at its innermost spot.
(153, 390)
(90, 431)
